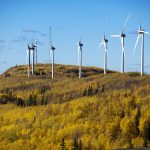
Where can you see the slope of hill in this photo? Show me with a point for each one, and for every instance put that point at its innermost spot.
(98, 111)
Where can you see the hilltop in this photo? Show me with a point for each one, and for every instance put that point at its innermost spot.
(98, 111)
(66, 82)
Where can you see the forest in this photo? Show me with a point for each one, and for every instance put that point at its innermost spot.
(97, 112)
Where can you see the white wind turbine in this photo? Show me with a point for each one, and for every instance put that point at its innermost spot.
(30, 51)
(52, 49)
(104, 43)
(80, 58)
(141, 33)
(122, 36)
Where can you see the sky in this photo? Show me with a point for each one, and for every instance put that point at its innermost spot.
(25, 20)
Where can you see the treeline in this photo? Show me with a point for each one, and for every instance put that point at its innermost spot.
(9, 98)
(45, 95)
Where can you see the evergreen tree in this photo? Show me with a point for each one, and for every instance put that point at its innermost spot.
(145, 141)
(46, 100)
(34, 100)
(80, 145)
(75, 145)
(62, 144)
(103, 89)
(42, 100)
(19, 102)
(122, 115)
(30, 100)
(137, 119)
(146, 136)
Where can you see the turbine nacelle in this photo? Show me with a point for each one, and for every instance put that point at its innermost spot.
(104, 42)
(33, 47)
(141, 31)
(122, 35)
(105, 39)
(80, 44)
(53, 48)
(30, 48)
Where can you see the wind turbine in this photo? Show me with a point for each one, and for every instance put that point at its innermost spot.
(104, 43)
(122, 36)
(141, 33)
(80, 58)
(52, 49)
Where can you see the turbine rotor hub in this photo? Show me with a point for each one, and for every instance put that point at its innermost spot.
(105, 40)
(53, 48)
(123, 35)
(80, 44)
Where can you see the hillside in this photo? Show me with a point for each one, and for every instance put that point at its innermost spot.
(98, 111)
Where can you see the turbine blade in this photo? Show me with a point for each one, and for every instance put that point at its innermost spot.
(27, 56)
(115, 36)
(80, 39)
(32, 52)
(51, 56)
(122, 44)
(106, 25)
(140, 27)
(125, 23)
(78, 48)
(50, 36)
(146, 32)
(102, 43)
(105, 47)
(78, 55)
(136, 43)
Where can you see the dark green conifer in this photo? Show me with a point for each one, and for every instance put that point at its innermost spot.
(62, 144)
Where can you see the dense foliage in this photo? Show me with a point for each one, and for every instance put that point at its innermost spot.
(95, 113)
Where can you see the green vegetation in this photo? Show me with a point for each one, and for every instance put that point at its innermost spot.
(96, 112)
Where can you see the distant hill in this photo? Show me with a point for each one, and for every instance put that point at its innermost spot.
(95, 112)
(60, 70)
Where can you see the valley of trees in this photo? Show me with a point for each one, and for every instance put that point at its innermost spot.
(95, 113)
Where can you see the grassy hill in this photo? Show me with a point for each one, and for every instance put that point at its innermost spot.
(98, 111)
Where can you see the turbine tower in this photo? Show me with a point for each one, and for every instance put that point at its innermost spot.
(33, 61)
(28, 55)
(52, 49)
(122, 36)
(52, 52)
(36, 60)
(104, 43)
(141, 33)
(80, 58)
